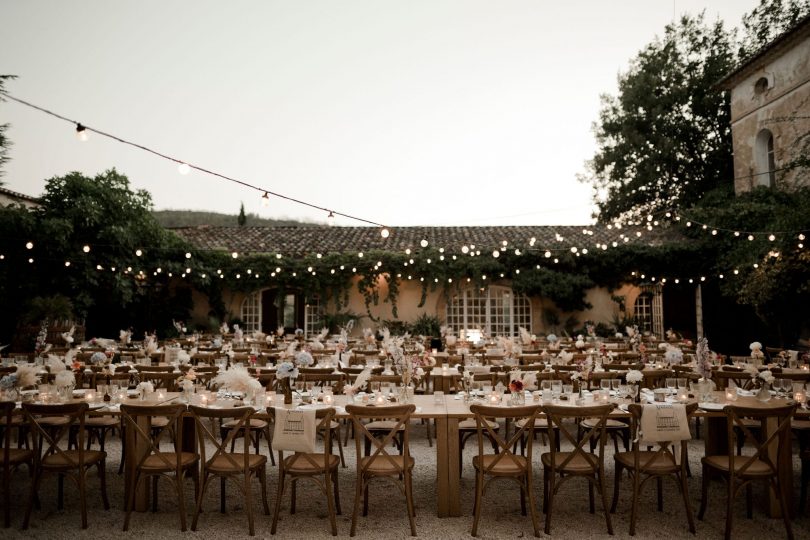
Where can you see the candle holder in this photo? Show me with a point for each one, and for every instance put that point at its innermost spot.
(731, 394)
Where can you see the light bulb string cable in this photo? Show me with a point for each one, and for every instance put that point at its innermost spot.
(190, 165)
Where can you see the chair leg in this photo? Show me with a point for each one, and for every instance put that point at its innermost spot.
(532, 507)
(181, 499)
(549, 500)
(704, 493)
(603, 492)
(279, 495)
(777, 487)
(82, 496)
(729, 508)
(357, 495)
(336, 489)
(330, 505)
(409, 501)
(222, 509)
(198, 506)
(249, 500)
(688, 507)
(262, 474)
(102, 475)
(617, 480)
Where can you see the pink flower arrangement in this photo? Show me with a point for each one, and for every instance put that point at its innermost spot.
(516, 386)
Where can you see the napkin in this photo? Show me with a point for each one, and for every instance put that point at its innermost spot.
(294, 430)
(662, 422)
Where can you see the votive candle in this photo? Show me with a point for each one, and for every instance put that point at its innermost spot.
(328, 399)
(731, 394)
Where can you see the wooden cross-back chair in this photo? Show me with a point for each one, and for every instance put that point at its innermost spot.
(51, 458)
(12, 457)
(577, 462)
(320, 467)
(741, 379)
(152, 462)
(381, 463)
(742, 470)
(503, 462)
(644, 465)
(241, 467)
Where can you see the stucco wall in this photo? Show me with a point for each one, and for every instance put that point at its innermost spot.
(775, 109)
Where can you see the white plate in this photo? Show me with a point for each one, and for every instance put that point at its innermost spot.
(706, 406)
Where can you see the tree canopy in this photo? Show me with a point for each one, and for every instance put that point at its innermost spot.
(4, 142)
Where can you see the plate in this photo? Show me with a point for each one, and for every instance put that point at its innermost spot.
(706, 406)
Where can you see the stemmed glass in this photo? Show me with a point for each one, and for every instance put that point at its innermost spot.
(604, 384)
(633, 391)
(671, 385)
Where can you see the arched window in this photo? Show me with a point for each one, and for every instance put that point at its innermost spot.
(765, 159)
(494, 310)
(312, 317)
(251, 313)
(643, 311)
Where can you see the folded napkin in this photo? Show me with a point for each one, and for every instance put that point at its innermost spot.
(746, 393)
(295, 430)
(664, 422)
(647, 395)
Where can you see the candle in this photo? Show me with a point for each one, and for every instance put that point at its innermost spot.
(799, 396)
(683, 394)
(90, 396)
(271, 398)
(379, 399)
(444, 370)
(603, 397)
(161, 394)
(731, 394)
(203, 400)
(805, 367)
(328, 399)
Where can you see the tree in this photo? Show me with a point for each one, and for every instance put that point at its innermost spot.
(665, 139)
(242, 219)
(4, 142)
(768, 20)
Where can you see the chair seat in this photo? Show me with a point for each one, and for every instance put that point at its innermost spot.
(155, 463)
(18, 455)
(751, 423)
(298, 464)
(800, 425)
(538, 423)
(15, 421)
(255, 423)
(507, 465)
(578, 465)
(159, 421)
(69, 459)
(386, 465)
(101, 421)
(662, 464)
(591, 423)
(222, 465)
(721, 463)
(469, 424)
(53, 421)
(383, 425)
(334, 424)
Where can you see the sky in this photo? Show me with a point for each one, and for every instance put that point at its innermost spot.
(432, 112)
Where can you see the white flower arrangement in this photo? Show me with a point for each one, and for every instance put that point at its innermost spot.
(767, 376)
(224, 329)
(551, 338)
(703, 359)
(756, 350)
(68, 336)
(634, 376)
(237, 379)
(124, 336)
(64, 378)
(674, 355)
(187, 385)
(304, 359)
(580, 343)
(280, 331)
(145, 387)
(98, 358)
(525, 336)
(286, 370)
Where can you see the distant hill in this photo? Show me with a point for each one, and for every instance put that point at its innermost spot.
(193, 218)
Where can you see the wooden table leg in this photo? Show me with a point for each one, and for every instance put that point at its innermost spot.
(448, 490)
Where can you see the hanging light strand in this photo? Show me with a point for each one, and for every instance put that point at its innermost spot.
(178, 162)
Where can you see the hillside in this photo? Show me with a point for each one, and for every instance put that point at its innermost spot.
(193, 218)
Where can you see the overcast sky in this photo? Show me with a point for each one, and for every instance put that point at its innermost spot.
(432, 112)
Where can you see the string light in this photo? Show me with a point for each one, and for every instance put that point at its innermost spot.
(29, 245)
(423, 243)
(266, 200)
(184, 168)
(384, 232)
(86, 249)
(81, 132)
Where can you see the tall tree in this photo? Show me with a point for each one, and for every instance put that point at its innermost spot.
(242, 219)
(665, 138)
(4, 142)
(768, 20)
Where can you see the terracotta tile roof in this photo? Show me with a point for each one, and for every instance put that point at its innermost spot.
(324, 239)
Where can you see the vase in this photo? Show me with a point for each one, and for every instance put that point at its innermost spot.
(764, 393)
(286, 388)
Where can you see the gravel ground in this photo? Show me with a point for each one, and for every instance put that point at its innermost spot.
(387, 519)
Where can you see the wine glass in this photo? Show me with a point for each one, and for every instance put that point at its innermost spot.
(671, 385)
(633, 391)
(604, 384)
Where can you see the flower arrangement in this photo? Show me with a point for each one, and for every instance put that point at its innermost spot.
(674, 355)
(672, 335)
(304, 359)
(179, 326)
(98, 358)
(634, 376)
(516, 385)
(286, 370)
(280, 331)
(703, 359)
(187, 385)
(145, 387)
(368, 336)
(756, 350)
(584, 369)
(41, 347)
(551, 338)
(525, 336)
(124, 336)
(24, 376)
(68, 336)
(590, 329)
(299, 333)
(237, 379)
(64, 378)
(580, 342)
(359, 382)
(767, 376)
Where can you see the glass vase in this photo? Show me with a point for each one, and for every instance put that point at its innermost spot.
(764, 393)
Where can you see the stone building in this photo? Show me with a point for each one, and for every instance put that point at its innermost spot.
(770, 112)
(8, 197)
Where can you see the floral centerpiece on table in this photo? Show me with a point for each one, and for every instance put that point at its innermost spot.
(368, 337)
(590, 329)
(98, 358)
(286, 373)
(516, 391)
(359, 382)
(580, 342)
(317, 341)
(642, 353)
(634, 376)
(224, 328)
(510, 348)
(144, 388)
(525, 337)
(583, 372)
(674, 355)
(68, 336)
(633, 335)
(553, 341)
(237, 379)
(41, 347)
(124, 337)
(24, 377)
(179, 326)
(760, 378)
(704, 359)
(756, 351)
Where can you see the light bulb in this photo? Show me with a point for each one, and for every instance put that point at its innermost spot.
(81, 133)
(29, 245)
(188, 255)
(423, 243)
(384, 232)
(234, 255)
(496, 253)
(266, 200)
(330, 219)
(86, 249)
(183, 168)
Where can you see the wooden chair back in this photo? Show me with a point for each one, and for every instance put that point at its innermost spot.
(656, 378)
(167, 381)
(737, 426)
(505, 449)
(149, 437)
(559, 428)
(401, 417)
(335, 380)
(206, 438)
(48, 439)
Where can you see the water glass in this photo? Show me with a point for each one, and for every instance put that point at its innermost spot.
(568, 389)
(545, 384)
(615, 383)
(604, 384)
(671, 385)
(438, 397)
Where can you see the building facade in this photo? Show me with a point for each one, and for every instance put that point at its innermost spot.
(770, 112)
